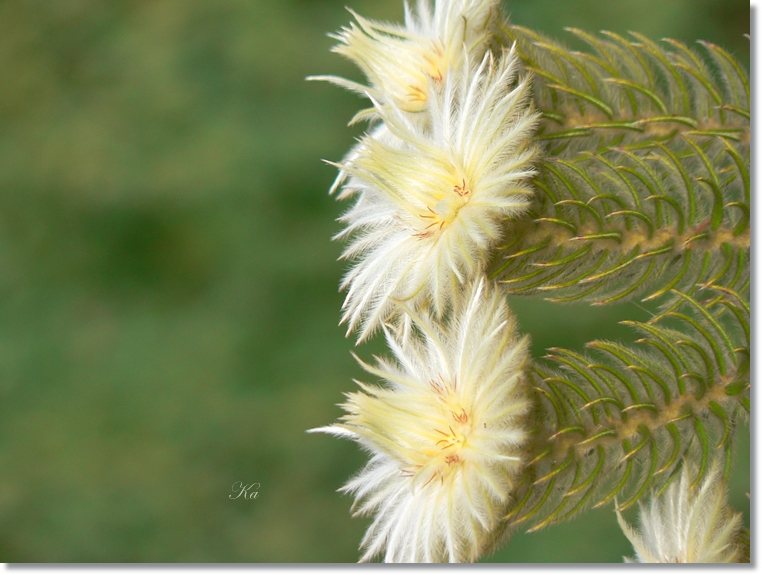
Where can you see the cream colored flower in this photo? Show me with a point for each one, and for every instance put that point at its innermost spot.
(404, 64)
(445, 431)
(432, 200)
(687, 526)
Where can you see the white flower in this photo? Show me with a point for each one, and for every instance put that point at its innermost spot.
(432, 199)
(404, 63)
(687, 525)
(445, 432)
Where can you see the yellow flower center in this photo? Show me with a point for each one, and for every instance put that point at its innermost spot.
(445, 210)
(444, 453)
(429, 65)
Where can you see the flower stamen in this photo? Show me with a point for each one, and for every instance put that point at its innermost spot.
(461, 189)
(462, 417)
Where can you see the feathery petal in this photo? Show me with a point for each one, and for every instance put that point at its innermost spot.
(404, 63)
(687, 525)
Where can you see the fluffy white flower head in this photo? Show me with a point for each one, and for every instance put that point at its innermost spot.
(432, 200)
(445, 432)
(404, 64)
(687, 525)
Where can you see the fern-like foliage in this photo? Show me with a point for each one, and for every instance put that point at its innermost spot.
(619, 420)
(631, 93)
(645, 185)
(644, 192)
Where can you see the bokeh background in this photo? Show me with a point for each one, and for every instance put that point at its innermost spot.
(168, 286)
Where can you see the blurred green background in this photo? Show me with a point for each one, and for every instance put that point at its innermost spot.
(168, 287)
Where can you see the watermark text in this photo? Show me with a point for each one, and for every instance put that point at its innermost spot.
(244, 491)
